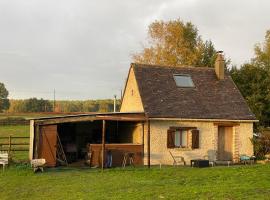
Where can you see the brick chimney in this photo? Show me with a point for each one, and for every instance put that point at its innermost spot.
(219, 65)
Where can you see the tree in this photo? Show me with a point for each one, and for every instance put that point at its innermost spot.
(37, 105)
(254, 83)
(4, 102)
(90, 106)
(262, 53)
(176, 43)
(253, 80)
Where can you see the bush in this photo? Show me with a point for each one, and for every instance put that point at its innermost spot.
(261, 145)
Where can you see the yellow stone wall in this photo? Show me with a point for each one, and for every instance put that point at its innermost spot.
(245, 134)
(131, 101)
(207, 141)
(132, 134)
(137, 134)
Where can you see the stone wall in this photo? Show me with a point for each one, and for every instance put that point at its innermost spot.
(131, 101)
(208, 141)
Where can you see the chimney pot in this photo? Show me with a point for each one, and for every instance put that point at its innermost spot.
(219, 65)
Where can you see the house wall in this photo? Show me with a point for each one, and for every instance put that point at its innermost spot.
(245, 133)
(131, 101)
(208, 139)
(137, 134)
(131, 133)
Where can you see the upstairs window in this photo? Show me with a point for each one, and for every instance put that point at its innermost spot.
(183, 80)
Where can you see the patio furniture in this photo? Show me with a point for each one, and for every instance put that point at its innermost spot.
(247, 159)
(199, 163)
(212, 162)
(128, 156)
(177, 159)
(38, 164)
(4, 157)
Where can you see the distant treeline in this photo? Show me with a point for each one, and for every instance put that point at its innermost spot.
(41, 105)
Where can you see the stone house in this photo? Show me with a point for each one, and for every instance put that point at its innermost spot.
(192, 112)
(189, 111)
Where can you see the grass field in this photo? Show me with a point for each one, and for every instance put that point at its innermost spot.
(235, 182)
(16, 130)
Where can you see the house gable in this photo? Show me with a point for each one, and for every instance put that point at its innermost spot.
(131, 101)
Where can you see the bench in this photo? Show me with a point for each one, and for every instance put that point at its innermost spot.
(4, 159)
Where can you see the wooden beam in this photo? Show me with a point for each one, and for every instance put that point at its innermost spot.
(182, 127)
(226, 124)
(64, 120)
(103, 143)
(143, 139)
(148, 143)
(37, 144)
(87, 118)
(31, 139)
(118, 118)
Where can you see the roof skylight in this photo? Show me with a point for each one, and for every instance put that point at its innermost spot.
(183, 80)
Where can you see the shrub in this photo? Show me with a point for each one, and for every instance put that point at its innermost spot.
(261, 145)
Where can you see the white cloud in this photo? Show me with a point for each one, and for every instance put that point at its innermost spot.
(82, 48)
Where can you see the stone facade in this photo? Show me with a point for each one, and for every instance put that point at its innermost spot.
(208, 137)
(208, 141)
(131, 101)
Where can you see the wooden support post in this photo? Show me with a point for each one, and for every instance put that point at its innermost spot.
(143, 135)
(143, 146)
(148, 143)
(9, 146)
(103, 143)
(37, 142)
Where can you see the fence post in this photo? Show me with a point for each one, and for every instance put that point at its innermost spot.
(9, 148)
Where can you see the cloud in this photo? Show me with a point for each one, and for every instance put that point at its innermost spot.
(82, 48)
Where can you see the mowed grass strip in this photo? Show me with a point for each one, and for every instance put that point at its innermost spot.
(235, 182)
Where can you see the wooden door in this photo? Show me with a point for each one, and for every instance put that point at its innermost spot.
(225, 143)
(48, 135)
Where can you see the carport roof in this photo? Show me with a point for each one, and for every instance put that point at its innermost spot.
(117, 116)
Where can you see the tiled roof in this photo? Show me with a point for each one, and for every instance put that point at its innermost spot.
(209, 99)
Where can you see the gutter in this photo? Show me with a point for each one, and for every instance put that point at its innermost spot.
(205, 120)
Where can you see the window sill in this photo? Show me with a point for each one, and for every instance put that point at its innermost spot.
(183, 149)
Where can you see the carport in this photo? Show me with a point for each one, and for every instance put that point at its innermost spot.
(75, 138)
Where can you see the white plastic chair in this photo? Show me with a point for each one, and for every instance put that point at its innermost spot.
(177, 159)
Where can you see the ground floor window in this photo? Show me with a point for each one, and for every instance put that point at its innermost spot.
(183, 137)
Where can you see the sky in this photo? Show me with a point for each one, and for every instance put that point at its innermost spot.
(82, 48)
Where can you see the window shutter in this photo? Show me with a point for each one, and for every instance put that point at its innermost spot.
(195, 139)
(170, 138)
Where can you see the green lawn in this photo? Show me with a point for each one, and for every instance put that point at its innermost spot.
(235, 182)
